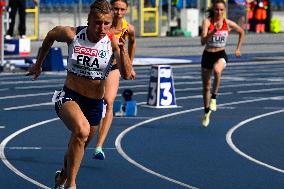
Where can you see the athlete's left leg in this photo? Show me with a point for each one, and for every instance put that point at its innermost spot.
(60, 177)
(218, 68)
(206, 85)
(111, 88)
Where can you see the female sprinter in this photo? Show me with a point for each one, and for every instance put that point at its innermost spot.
(215, 31)
(79, 104)
(119, 27)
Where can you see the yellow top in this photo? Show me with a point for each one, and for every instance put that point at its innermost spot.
(124, 26)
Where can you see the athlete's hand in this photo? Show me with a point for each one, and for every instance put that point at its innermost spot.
(122, 39)
(35, 70)
(238, 53)
(133, 74)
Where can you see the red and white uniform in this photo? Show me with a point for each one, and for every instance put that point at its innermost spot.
(219, 38)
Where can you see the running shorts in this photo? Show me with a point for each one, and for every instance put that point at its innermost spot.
(91, 108)
(210, 58)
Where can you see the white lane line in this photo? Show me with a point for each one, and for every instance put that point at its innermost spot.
(139, 103)
(117, 143)
(23, 148)
(39, 87)
(8, 164)
(31, 81)
(25, 95)
(261, 90)
(4, 89)
(46, 148)
(238, 151)
(29, 106)
(132, 161)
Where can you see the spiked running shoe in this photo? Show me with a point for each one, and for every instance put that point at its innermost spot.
(213, 104)
(57, 175)
(99, 154)
(206, 119)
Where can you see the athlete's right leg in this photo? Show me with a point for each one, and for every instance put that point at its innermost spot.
(206, 85)
(61, 174)
(76, 122)
(111, 88)
(218, 68)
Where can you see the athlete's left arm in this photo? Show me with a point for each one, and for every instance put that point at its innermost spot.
(237, 28)
(131, 42)
(122, 58)
(131, 46)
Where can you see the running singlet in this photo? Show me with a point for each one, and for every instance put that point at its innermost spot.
(92, 60)
(124, 26)
(219, 38)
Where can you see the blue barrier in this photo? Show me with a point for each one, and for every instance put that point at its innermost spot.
(53, 60)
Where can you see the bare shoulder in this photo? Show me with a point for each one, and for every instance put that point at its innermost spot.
(63, 33)
(231, 23)
(131, 29)
(69, 31)
(205, 23)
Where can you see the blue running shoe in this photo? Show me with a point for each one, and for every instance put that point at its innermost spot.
(99, 154)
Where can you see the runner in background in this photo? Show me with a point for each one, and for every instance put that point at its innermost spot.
(215, 31)
(119, 26)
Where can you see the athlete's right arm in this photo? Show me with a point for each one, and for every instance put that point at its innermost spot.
(206, 35)
(59, 34)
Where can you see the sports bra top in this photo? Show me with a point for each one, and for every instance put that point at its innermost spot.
(87, 59)
(124, 26)
(219, 38)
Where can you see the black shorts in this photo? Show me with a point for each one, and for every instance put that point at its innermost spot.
(91, 108)
(114, 67)
(210, 58)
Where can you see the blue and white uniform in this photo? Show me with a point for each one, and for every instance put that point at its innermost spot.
(90, 60)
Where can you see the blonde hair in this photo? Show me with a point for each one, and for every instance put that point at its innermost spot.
(101, 6)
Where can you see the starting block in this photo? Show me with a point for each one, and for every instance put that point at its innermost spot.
(128, 109)
(161, 93)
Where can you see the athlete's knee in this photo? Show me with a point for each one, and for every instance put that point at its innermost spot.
(206, 84)
(217, 72)
(82, 132)
(206, 88)
(109, 104)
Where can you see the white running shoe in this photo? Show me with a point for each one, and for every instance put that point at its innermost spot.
(213, 104)
(206, 119)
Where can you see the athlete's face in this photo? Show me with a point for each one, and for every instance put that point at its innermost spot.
(99, 24)
(219, 10)
(120, 9)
